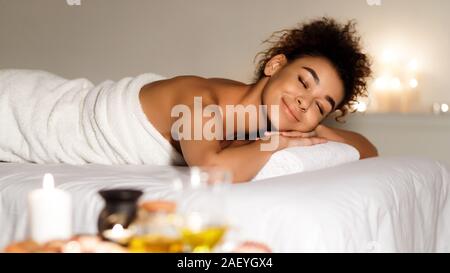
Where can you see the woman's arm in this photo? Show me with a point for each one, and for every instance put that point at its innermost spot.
(244, 161)
(365, 148)
(363, 145)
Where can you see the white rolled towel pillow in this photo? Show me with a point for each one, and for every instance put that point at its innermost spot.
(309, 158)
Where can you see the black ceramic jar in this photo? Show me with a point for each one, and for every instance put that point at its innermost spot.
(120, 208)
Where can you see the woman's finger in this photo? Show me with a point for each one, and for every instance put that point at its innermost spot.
(317, 140)
(307, 141)
(271, 133)
(298, 134)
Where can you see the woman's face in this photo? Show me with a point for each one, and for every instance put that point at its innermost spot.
(306, 90)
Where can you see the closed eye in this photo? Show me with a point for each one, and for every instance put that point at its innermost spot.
(303, 82)
(320, 109)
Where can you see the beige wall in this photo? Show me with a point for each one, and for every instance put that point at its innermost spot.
(110, 39)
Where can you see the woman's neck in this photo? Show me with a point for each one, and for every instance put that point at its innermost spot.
(253, 98)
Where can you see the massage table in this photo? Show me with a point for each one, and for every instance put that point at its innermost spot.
(395, 204)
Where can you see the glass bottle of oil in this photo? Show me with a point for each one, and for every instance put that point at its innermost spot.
(156, 229)
(203, 240)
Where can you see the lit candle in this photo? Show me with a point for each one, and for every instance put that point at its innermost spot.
(118, 234)
(50, 212)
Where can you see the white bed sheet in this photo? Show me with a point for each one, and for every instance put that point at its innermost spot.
(374, 205)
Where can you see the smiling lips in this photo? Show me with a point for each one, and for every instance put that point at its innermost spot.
(290, 111)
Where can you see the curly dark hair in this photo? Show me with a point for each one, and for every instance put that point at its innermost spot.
(324, 37)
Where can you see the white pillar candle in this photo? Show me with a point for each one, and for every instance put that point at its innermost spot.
(50, 212)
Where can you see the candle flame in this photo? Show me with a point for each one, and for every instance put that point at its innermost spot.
(48, 182)
(195, 177)
(361, 107)
(413, 83)
(117, 228)
(195, 221)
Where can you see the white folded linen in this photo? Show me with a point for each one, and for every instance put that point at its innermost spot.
(380, 204)
(309, 158)
(45, 118)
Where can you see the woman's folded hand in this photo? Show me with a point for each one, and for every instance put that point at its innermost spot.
(295, 139)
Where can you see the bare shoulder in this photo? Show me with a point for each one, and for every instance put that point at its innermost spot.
(186, 81)
(212, 90)
(207, 82)
(192, 81)
(177, 87)
(183, 89)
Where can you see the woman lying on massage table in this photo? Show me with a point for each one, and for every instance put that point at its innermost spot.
(310, 72)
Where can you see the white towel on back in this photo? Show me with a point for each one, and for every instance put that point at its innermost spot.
(45, 118)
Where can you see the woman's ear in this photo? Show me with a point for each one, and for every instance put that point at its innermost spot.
(274, 64)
